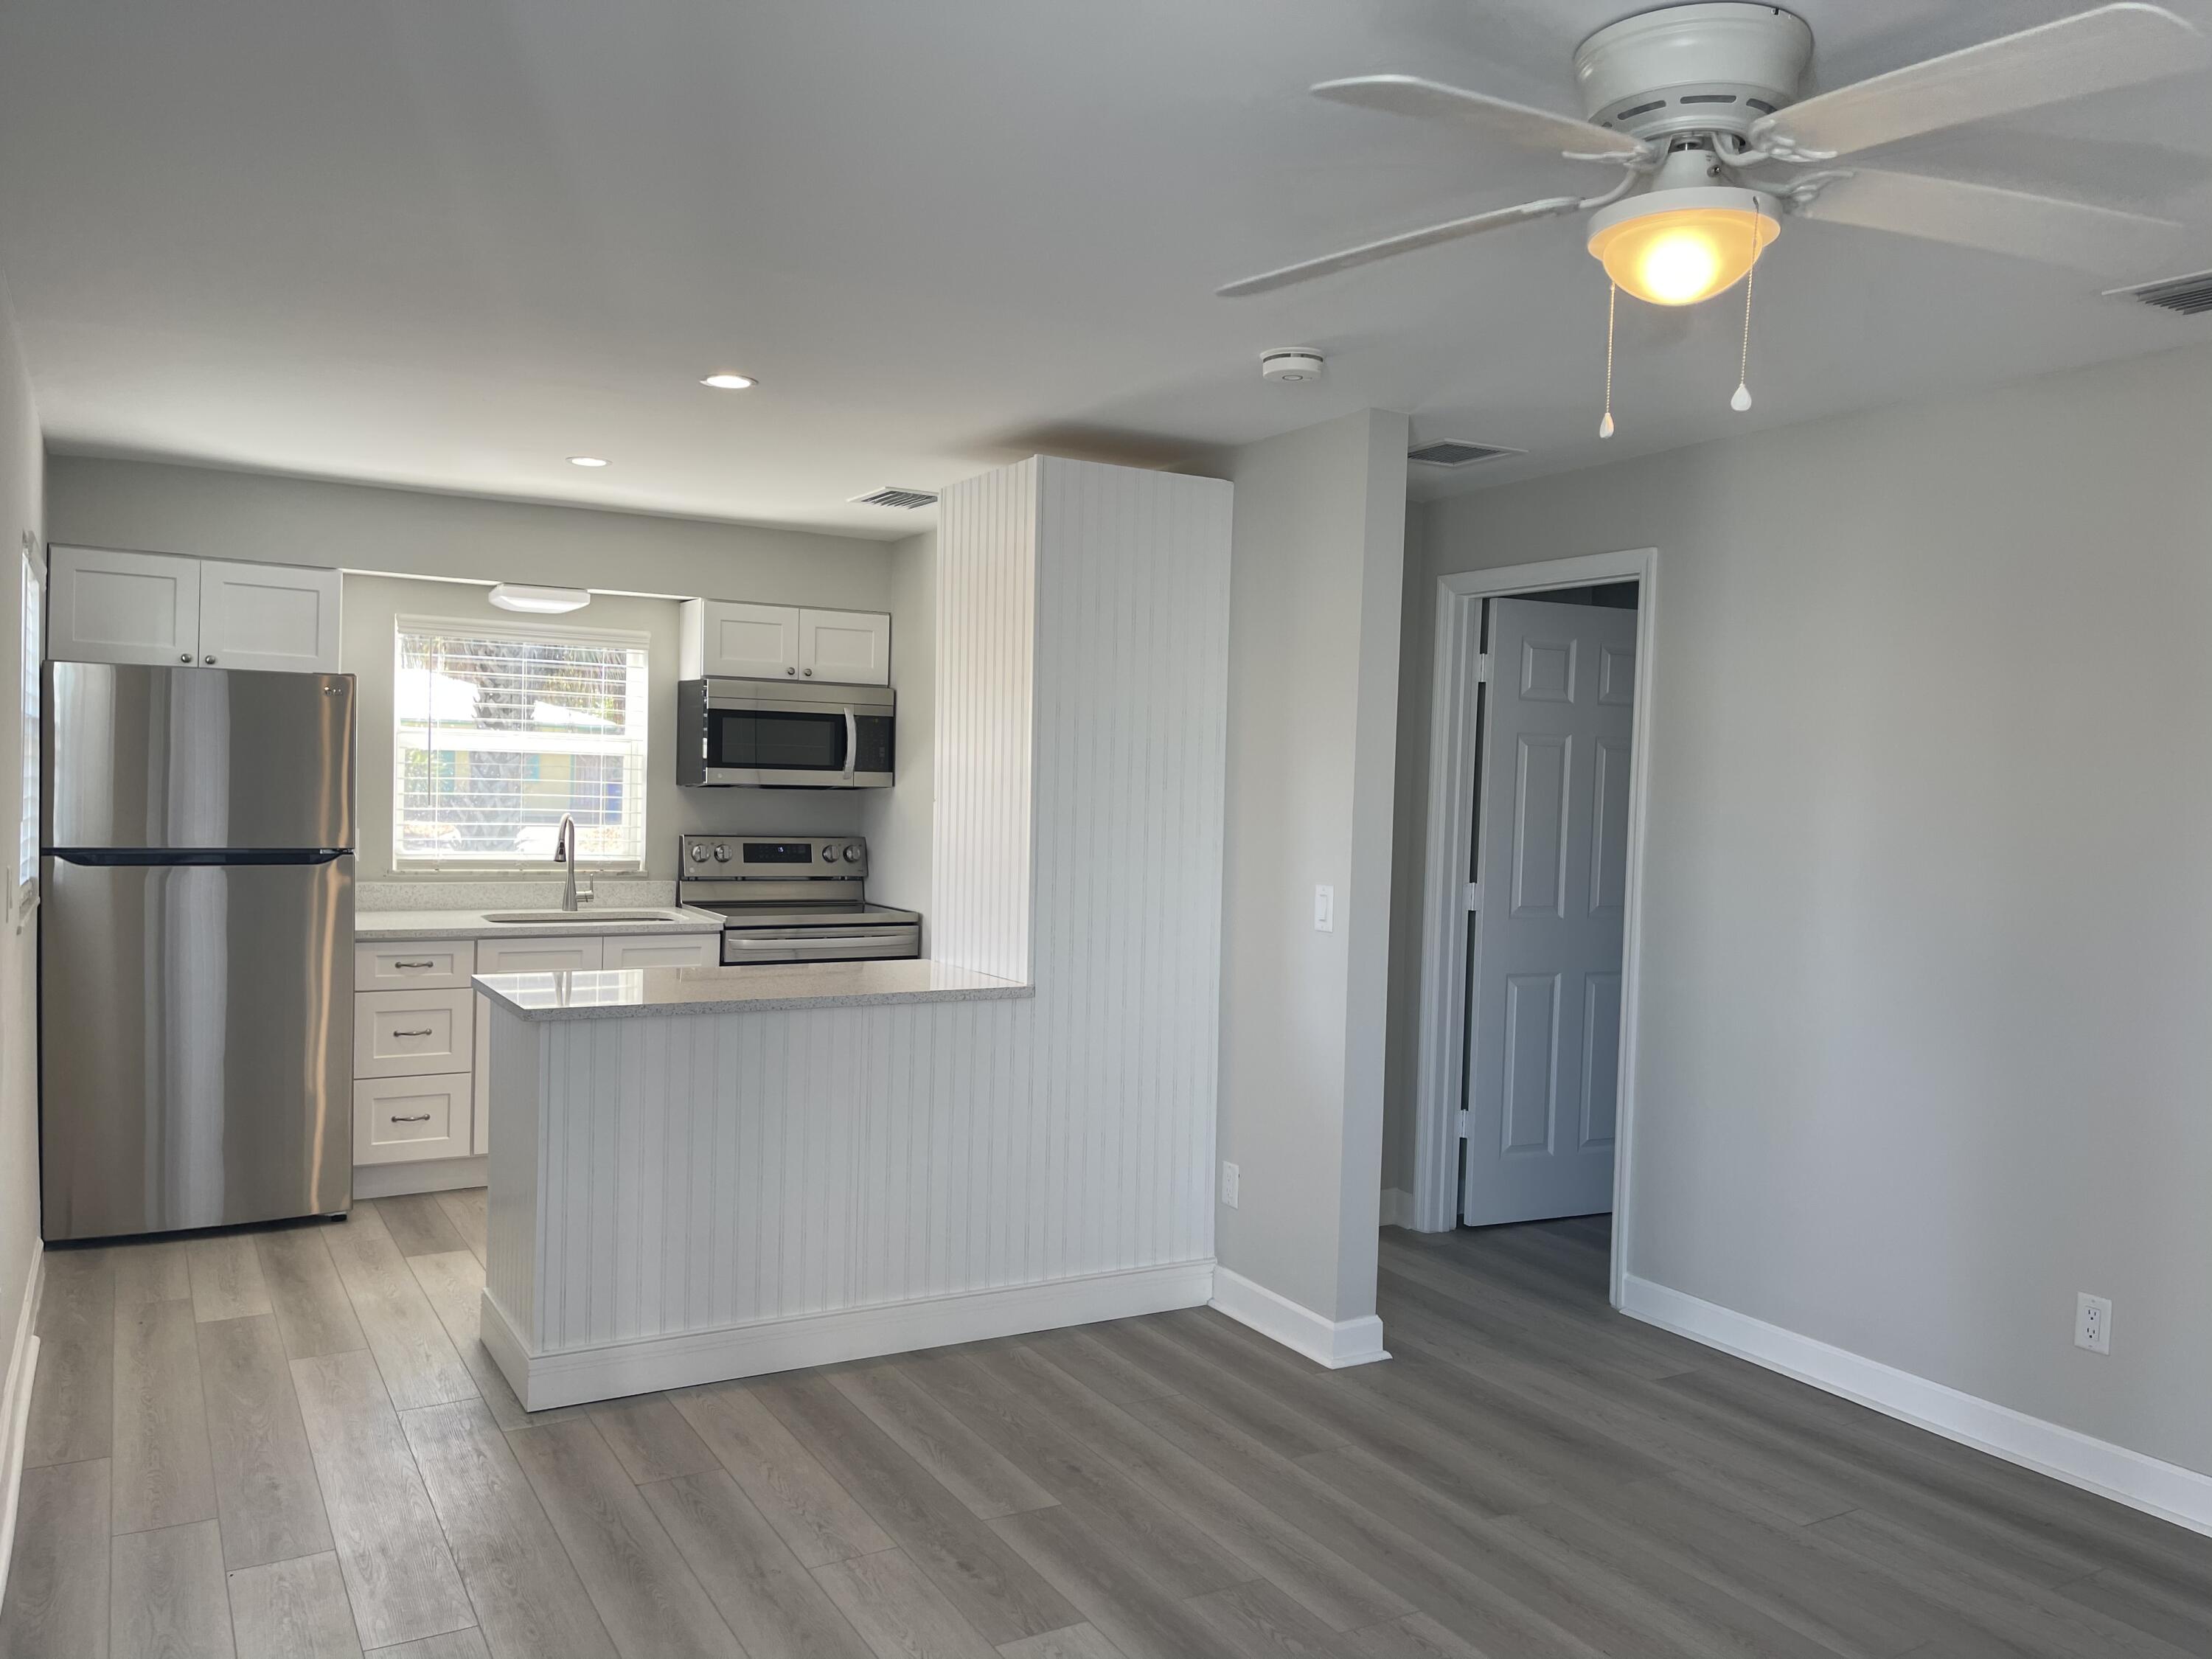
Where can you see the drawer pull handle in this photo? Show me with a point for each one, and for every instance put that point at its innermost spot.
(425, 1031)
(419, 1117)
(414, 964)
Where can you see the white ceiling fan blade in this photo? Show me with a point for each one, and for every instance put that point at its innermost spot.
(2003, 220)
(2116, 45)
(1492, 118)
(1368, 253)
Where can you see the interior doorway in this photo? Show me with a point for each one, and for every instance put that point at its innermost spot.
(1525, 1089)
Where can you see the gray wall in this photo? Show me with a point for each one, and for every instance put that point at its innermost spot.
(244, 515)
(1927, 941)
(1316, 565)
(20, 510)
(897, 820)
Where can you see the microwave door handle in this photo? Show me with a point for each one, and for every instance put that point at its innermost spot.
(852, 742)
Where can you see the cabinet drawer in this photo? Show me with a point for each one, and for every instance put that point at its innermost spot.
(431, 965)
(661, 951)
(536, 956)
(412, 1033)
(399, 1119)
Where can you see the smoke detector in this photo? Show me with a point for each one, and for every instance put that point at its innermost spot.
(1290, 365)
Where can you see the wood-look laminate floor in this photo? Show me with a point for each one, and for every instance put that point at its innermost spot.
(290, 1443)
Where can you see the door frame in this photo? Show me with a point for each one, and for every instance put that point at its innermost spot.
(1440, 1075)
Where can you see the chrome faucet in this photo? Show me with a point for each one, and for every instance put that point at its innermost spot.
(564, 852)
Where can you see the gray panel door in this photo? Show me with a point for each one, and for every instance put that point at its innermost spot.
(197, 1044)
(1544, 995)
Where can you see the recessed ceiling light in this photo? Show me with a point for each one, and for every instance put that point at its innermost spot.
(587, 461)
(728, 380)
(539, 601)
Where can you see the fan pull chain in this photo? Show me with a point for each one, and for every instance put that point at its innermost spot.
(1741, 400)
(1612, 300)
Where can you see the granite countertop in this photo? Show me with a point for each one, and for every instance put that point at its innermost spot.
(641, 993)
(371, 925)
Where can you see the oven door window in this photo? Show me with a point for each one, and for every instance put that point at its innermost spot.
(760, 740)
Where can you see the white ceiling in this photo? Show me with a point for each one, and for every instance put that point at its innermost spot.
(447, 243)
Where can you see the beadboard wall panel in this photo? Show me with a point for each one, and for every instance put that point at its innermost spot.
(986, 566)
(717, 1171)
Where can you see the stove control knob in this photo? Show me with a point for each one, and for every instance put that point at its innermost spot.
(828, 853)
(852, 853)
(721, 852)
(698, 854)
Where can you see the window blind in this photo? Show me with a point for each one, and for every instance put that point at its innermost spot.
(498, 732)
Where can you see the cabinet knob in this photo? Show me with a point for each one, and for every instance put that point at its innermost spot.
(209, 661)
(790, 671)
(810, 673)
(187, 656)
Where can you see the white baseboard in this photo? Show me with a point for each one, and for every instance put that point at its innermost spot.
(428, 1174)
(1333, 1343)
(15, 1408)
(2165, 1490)
(1397, 1208)
(574, 1376)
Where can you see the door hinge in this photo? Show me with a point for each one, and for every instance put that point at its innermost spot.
(1462, 1124)
(1482, 668)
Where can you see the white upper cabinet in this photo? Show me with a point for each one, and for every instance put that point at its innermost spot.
(851, 647)
(781, 641)
(164, 608)
(123, 607)
(268, 615)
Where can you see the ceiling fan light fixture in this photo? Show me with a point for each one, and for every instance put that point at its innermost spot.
(1677, 247)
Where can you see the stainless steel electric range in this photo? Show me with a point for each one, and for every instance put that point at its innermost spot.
(797, 898)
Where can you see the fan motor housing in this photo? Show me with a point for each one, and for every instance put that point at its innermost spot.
(1692, 68)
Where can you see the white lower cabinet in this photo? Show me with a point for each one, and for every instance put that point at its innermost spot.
(661, 951)
(411, 1033)
(399, 1120)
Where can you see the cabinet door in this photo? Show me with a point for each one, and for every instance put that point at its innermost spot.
(123, 607)
(752, 641)
(536, 956)
(662, 950)
(269, 615)
(852, 647)
(443, 965)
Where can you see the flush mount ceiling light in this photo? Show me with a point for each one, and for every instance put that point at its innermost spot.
(587, 461)
(539, 601)
(728, 380)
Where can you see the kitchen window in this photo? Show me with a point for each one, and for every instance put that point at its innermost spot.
(33, 599)
(498, 732)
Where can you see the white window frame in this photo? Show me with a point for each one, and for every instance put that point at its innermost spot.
(31, 594)
(473, 627)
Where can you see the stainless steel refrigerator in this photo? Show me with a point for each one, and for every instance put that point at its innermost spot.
(196, 948)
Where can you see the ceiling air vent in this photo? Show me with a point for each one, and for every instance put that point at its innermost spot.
(2190, 296)
(892, 496)
(1457, 452)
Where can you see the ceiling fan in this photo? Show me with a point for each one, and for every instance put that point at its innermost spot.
(1697, 105)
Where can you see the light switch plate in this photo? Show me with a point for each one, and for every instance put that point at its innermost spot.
(1324, 909)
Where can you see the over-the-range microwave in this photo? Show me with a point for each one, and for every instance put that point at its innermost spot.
(770, 734)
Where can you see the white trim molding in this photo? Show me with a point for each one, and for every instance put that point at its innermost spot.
(15, 1406)
(571, 1376)
(1333, 1343)
(1444, 888)
(430, 1175)
(2167, 1491)
(1397, 1208)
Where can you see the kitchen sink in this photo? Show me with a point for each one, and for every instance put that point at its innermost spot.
(579, 915)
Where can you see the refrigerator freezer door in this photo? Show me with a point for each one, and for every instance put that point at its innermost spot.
(197, 1044)
(168, 757)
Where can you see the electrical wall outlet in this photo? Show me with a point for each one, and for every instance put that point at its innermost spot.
(2092, 1322)
(1229, 1175)
(1324, 909)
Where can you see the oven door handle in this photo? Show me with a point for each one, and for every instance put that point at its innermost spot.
(852, 742)
(837, 940)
